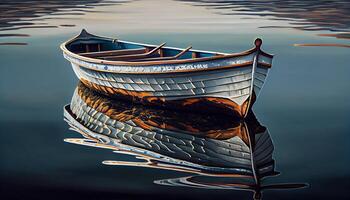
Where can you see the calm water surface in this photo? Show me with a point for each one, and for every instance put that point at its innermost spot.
(304, 104)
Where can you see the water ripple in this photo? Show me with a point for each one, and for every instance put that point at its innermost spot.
(313, 15)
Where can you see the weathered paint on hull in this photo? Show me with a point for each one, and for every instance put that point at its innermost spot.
(228, 91)
(198, 104)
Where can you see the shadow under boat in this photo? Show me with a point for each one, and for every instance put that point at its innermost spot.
(223, 153)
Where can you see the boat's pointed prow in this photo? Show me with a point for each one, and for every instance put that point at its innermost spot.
(258, 43)
(84, 34)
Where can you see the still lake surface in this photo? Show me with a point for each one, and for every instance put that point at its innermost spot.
(305, 103)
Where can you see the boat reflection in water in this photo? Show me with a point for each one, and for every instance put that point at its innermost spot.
(221, 152)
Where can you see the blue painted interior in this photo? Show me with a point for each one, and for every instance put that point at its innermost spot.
(79, 46)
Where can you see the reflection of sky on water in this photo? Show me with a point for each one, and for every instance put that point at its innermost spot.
(304, 15)
(301, 15)
(167, 16)
(34, 14)
(22, 14)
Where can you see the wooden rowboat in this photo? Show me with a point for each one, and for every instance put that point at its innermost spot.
(166, 76)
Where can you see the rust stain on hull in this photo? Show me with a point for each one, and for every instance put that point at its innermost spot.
(198, 104)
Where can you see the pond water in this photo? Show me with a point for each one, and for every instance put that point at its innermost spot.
(304, 103)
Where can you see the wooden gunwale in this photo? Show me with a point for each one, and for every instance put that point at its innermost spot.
(180, 71)
(150, 63)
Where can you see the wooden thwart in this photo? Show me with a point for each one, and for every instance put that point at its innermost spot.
(114, 52)
(134, 56)
(165, 58)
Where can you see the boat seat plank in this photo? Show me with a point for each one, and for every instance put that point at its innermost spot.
(114, 52)
(165, 58)
(134, 56)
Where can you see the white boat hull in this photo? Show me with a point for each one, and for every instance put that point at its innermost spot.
(232, 86)
(201, 80)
